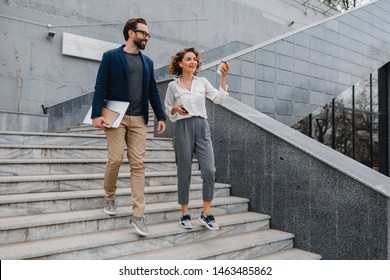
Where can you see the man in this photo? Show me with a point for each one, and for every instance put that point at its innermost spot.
(125, 74)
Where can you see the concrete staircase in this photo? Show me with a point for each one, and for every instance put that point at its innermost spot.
(51, 206)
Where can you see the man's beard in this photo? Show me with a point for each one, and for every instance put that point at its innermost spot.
(139, 44)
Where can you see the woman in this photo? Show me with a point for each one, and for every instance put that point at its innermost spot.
(185, 104)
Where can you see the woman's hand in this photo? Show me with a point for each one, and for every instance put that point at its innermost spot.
(179, 109)
(224, 68)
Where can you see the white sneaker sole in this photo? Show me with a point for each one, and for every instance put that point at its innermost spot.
(140, 232)
(186, 227)
(206, 225)
(109, 212)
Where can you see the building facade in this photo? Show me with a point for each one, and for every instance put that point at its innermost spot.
(34, 71)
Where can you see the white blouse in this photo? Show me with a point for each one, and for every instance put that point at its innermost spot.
(194, 100)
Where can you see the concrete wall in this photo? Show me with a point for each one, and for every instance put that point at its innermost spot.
(33, 70)
(13, 121)
(334, 205)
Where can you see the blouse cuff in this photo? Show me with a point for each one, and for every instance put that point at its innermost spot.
(221, 90)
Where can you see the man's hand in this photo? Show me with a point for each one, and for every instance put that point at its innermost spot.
(100, 122)
(161, 127)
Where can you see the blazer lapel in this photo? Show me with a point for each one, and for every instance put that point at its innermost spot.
(146, 72)
(122, 56)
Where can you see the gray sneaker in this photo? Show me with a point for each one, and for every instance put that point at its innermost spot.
(139, 224)
(208, 221)
(109, 207)
(185, 221)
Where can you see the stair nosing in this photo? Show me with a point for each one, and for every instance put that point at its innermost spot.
(78, 160)
(35, 220)
(47, 196)
(71, 147)
(80, 176)
(128, 234)
(205, 248)
(291, 252)
(63, 134)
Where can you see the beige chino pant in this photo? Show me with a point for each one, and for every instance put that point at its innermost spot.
(132, 132)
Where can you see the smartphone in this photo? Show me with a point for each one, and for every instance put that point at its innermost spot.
(184, 109)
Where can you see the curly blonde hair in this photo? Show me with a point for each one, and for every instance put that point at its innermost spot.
(174, 67)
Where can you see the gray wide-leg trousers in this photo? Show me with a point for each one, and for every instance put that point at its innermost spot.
(192, 136)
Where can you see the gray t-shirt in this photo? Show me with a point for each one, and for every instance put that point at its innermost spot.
(134, 79)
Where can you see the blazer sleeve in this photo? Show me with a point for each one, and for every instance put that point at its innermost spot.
(154, 96)
(101, 86)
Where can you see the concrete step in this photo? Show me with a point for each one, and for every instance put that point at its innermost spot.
(61, 151)
(51, 202)
(106, 244)
(69, 223)
(82, 126)
(74, 182)
(89, 129)
(290, 254)
(16, 167)
(77, 139)
(51, 206)
(239, 246)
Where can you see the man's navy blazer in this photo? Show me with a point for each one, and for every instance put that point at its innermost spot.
(111, 84)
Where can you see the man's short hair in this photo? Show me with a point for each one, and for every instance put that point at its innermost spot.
(131, 24)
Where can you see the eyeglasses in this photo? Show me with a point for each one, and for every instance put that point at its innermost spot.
(144, 33)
